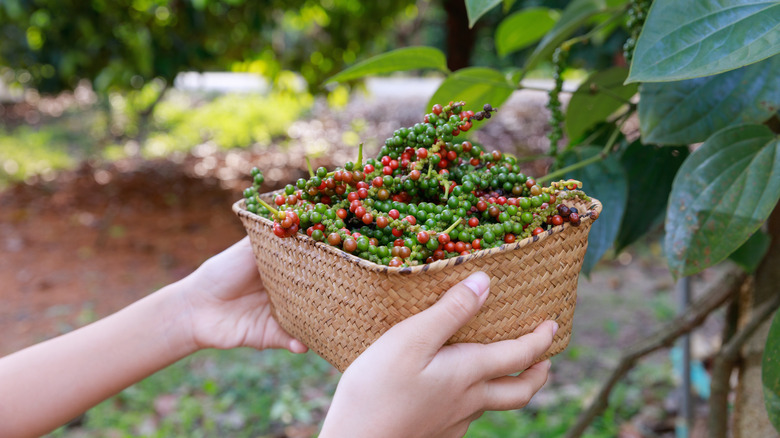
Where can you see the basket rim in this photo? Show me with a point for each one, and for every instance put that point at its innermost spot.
(239, 208)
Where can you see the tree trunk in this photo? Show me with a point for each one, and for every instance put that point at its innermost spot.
(750, 417)
(460, 39)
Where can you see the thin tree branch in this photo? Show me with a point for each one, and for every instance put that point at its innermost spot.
(717, 294)
(724, 364)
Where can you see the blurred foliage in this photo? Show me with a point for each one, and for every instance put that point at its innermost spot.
(40, 152)
(179, 124)
(236, 393)
(52, 44)
(228, 121)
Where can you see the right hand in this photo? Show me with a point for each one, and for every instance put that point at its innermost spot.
(408, 384)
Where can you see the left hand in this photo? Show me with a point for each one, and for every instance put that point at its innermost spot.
(228, 306)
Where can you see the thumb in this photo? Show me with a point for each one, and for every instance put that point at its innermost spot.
(453, 310)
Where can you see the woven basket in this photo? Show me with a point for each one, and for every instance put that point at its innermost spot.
(338, 304)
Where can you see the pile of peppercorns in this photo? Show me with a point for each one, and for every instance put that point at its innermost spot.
(426, 197)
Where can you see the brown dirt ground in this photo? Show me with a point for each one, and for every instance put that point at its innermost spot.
(73, 250)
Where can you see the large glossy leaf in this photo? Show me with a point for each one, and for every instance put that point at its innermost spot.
(477, 8)
(770, 373)
(606, 181)
(722, 193)
(751, 253)
(650, 172)
(476, 86)
(408, 58)
(596, 98)
(575, 15)
(689, 111)
(689, 39)
(523, 28)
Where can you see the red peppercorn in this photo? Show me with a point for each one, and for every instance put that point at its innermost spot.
(538, 230)
(509, 238)
(395, 214)
(443, 238)
(423, 237)
(473, 222)
(381, 222)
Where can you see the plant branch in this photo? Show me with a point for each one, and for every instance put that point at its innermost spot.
(588, 161)
(715, 295)
(724, 364)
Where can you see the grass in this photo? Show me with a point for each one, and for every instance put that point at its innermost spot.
(237, 393)
(245, 393)
(180, 123)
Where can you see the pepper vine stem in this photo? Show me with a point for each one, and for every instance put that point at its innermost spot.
(588, 161)
(452, 227)
(308, 165)
(266, 205)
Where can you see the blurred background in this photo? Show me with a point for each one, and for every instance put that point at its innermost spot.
(128, 128)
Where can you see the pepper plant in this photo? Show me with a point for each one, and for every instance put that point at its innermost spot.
(701, 76)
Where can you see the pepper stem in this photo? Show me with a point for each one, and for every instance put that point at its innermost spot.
(452, 227)
(265, 204)
(360, 156)
(308, 165)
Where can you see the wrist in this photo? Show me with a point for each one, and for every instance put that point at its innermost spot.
(176, 317)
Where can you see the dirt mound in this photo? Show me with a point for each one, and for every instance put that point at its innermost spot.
(96, 239)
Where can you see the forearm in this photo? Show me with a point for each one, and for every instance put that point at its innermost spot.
(48, 384)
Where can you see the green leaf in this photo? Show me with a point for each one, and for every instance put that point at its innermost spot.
(476, 86)
(596, 99)
(690, 111)
(651, 171)
(408, 58)
(523, 28)
(508, 5)
(722, 194)
(478, 8)
(605, 181)
(575, 15)
(770, 372)
(749, 255)
(689, 39)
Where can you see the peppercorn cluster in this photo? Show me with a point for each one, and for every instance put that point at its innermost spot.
(637, 14)
(426, 197)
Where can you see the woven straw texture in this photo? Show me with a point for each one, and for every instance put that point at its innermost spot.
(338, 304)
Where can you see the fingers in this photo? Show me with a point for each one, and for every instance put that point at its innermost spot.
(507, 357)
(514, 392)
(277, 337)
(455, 308)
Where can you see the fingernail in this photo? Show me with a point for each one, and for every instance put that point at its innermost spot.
(478, 282)
(555, 328)
(548, 363)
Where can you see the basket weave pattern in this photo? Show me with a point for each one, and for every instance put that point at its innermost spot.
(338, 304)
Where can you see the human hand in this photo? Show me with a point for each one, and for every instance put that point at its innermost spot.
(228, 307)
(408, 384)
